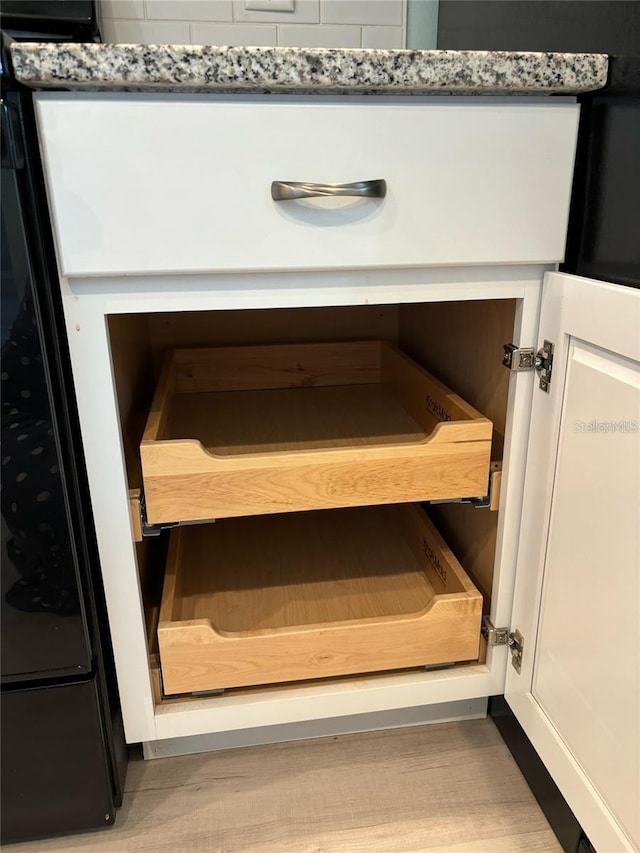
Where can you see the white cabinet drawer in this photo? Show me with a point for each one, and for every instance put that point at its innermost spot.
(167, 183)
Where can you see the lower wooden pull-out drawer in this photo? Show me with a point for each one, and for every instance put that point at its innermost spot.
(236, 431)
(290, 597)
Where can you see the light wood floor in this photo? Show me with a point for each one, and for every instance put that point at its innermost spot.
(450, 788)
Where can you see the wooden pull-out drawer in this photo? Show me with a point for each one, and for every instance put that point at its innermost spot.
(262, 600)
(167, 183)
(237, 431)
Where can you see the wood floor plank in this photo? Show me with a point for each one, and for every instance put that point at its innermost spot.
(451, 788)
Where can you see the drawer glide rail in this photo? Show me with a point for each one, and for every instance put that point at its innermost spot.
(489, 501)
(141, 527)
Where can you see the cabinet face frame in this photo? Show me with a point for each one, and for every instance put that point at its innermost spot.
(87, 305)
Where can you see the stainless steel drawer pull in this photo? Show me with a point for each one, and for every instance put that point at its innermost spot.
(288, 190)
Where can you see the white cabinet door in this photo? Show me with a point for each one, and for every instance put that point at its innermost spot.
(577, 593)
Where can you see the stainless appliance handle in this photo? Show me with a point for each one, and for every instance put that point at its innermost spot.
(288, 190)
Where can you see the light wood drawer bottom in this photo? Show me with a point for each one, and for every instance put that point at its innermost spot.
(291, 597)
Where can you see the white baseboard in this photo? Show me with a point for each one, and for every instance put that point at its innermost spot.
(472, 709)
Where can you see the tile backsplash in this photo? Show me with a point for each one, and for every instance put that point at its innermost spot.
(312, 23)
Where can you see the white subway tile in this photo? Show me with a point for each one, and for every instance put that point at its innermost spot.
(318, 36)
(189, 10)
(233, 35)
(305, 12)
(122, 8)
(380, 12)
(382, 37)
(145, 32)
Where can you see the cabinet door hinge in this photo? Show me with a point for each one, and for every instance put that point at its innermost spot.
(519, 359)
(504, 637)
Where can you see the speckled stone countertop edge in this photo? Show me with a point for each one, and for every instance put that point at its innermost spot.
(192, 68)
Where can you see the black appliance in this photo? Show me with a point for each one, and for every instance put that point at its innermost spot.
(63, 754)
(51, 20)
(579, 26)
(604, 225)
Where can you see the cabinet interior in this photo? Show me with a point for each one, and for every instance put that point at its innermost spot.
(460, 343)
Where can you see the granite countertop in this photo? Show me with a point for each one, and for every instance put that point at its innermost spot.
(322, 70)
